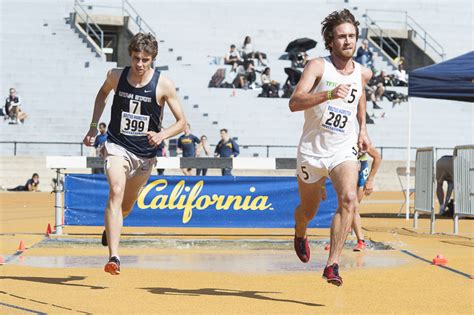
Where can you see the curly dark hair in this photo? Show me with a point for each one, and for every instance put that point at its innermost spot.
(143, 42)
(334, 19)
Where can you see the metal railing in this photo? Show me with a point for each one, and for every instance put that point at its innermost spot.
(383, 44)
(129, 10)
(406, 22)
(92, 28)
(80, 148)
(126, 9)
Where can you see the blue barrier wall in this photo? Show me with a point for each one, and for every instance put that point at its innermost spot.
(178, 201)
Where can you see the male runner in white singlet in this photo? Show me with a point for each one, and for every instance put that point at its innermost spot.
(331, 94)
(134, 133)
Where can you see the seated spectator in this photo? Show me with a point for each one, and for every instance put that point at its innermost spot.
(370, 95)
(232, 57)
(202, 150)
(13, 108)
(248, 52)
(31, 184)
(226, 147)
(400, 76)
(380, 82)
(270, 87)
(187, 145)
(232, 77)
(364, 55)
(240, 77)
(248, 77)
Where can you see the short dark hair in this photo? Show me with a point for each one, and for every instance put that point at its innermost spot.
(34, 174)
(334, 19)
(143, 42)
(102, 124)
(223, 130)
(232, 46)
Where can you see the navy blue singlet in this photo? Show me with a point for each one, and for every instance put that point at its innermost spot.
(134, 112)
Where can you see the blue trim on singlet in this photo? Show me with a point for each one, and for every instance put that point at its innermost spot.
(137, 145)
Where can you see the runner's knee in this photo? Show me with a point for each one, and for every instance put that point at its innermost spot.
(348, 202)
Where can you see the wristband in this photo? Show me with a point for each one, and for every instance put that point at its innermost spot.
(329, 95)
(323, 187)
(93, 124)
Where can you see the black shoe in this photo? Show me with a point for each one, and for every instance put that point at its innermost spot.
(104, 239)
(377, 106)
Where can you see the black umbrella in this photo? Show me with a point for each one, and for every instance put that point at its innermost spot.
(300, 44)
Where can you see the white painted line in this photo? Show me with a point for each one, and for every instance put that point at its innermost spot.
(66, 162)
(168, 162)
(250, 163)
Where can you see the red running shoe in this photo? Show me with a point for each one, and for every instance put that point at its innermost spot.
(331, 275)
(360, 246)
(113, 266)
(302, 248)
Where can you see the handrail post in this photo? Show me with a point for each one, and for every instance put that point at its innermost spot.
(58, 204)
(14, 148)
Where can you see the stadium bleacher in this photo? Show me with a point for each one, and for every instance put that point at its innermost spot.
(58, 76)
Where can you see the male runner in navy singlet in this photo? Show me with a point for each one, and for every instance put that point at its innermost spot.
(134, 133)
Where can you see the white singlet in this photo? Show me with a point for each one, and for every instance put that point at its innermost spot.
(330, 129)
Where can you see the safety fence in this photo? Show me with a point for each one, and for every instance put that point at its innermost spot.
(424, 185)
(463, 159)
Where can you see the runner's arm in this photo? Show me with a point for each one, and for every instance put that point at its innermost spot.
(363, 141)
(99, 105)
(302, 97)
(171, 98)
(377, 160)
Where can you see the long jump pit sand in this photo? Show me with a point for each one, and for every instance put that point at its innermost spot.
(231, 271)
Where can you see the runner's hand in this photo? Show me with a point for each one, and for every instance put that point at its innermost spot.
(363, 142)
(368, 187)
(154, 138)
(341, 91)
(89, 139)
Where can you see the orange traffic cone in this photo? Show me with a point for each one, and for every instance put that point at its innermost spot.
(21, 247)
(440, 260)
(48, 230)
